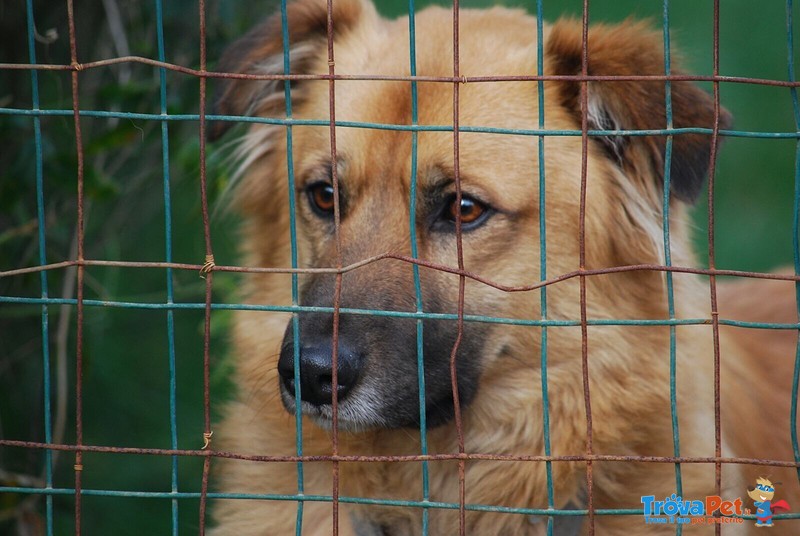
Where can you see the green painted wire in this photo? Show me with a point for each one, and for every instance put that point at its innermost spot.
(403, 314)
(173, 384)
(673, 365)
(298, 415)
(325, 498)
(410, 128)
(543, 265)
(795, 222)
(349, 500)
(423, 425)
(37, 138)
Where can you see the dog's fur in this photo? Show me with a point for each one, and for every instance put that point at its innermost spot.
(499, 366)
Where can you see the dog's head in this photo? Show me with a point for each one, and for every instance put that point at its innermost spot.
(499, 210)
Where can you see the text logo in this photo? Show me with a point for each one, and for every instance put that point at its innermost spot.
(677, 510)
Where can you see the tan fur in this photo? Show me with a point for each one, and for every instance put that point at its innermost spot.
(628, 365)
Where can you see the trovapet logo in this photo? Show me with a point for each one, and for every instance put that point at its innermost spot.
(676, 510)
(762, 496)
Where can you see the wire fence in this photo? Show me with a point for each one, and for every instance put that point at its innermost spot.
(208, 268)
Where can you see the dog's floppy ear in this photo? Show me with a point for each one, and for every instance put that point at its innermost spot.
(634, 49)
(260, 52)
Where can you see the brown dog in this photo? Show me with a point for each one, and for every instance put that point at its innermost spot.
(499, 371)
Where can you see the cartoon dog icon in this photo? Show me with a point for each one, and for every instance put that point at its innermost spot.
(762, 496)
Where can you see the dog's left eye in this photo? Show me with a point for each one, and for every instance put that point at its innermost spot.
(473, 212)
(320, 195)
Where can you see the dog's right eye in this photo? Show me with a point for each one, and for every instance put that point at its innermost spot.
(320, 195)
(473, 212)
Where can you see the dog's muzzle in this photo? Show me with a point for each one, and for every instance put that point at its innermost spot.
(316, 371)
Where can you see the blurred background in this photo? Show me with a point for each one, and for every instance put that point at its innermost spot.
(126, 367)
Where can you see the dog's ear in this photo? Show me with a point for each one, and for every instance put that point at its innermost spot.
(260, 52)
(634, 49)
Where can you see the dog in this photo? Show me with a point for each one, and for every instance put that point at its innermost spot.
(499, 370)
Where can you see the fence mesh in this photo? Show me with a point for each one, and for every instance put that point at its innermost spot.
(208, 269)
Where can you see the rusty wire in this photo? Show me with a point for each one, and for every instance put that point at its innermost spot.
(712, 280)
(587, 399)
(462, 467)
(395, 458)
(410, 260)
(78, 466)
(391, 78)
(337, 293)
(208, 269)
(403, 458)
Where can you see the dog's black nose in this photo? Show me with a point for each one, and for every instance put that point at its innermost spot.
(316, 372)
